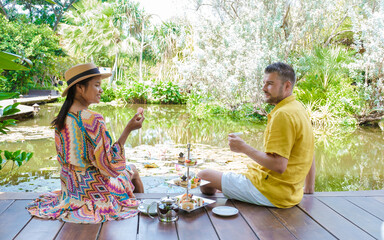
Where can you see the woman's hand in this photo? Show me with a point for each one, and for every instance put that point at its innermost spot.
(137, 121)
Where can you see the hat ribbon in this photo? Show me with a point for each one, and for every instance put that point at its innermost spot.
(88, 72)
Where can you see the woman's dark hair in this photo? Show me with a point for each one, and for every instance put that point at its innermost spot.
(59, 120)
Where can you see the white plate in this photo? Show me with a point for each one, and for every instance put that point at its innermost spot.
(225, 211)
(202, 183)
(206, 202)
(152, 210)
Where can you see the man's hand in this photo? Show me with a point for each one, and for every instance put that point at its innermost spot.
(236, 144)
(309, 186)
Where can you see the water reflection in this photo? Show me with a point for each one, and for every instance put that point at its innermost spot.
(345, 161)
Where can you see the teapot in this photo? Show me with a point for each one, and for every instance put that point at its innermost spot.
(167, 209)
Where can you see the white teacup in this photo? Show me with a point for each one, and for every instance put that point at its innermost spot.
(146, 203)
(237, 133)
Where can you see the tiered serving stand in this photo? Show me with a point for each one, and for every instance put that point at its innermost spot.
(188, 187)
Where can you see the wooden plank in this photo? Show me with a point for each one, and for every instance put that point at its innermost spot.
(332, 221)
(18, 195)
(39, 228)
(370, 205)
(229, 227)
(263, 222)
(161, 195)
(154, 229)
(79, 231)
(380, 199)
(354, 214)
(33, 195)
(13, 219)
(121, 229)
(4, 204)
(300, 224)
(195, 225)
(348, 194)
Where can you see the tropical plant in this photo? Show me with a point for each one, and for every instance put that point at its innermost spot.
(135, 92)
(37, 12)
(18, 156)
(40, 45)
(167, 93)
(102, 31)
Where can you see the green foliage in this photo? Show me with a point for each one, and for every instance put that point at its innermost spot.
(135, 93)
(7, 63)
(167, 93)
(19, 157)
(109, 94)
(324, 86)
(37, 43)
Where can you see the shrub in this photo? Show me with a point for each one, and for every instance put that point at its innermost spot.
(167, 93)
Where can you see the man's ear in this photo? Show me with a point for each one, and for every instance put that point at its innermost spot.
(288, 86)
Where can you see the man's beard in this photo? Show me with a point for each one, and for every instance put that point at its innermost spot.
(277, 99)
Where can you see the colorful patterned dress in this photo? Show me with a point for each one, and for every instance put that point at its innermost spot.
(95, 181)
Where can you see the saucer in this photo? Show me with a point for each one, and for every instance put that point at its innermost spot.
(143, 209)
(225, 211)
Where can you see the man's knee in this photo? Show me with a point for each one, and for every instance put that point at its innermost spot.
(134, 170)
(203, 174)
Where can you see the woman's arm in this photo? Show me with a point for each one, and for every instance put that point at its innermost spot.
(135, 123)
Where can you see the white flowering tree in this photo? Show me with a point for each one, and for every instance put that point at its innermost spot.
(235, 40)
(368, 27)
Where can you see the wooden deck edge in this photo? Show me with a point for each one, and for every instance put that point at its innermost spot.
(367, 193)
(33, 195)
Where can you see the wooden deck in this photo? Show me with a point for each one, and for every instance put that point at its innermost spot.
(334, 215)
(26, 110)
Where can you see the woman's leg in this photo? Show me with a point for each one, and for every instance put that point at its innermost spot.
(136, 180)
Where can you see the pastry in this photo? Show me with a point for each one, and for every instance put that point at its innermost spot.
(181, 158)
(190, 162)
(184, 181)
(187, 205)
(195, 182)
(199, 202)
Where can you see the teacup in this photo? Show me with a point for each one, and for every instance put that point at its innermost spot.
(146, 203)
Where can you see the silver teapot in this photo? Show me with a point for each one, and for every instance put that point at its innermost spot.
(167, 209)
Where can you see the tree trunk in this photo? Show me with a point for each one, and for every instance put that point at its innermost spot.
(141, 55)
(2, 8)
(60, 16)
(113, 70)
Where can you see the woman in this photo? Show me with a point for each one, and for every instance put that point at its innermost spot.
(96, 184)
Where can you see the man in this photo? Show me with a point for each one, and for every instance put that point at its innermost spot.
(280, 175)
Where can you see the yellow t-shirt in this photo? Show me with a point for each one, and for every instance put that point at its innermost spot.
(289, 134)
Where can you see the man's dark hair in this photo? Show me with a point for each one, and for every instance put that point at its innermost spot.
(285, 72)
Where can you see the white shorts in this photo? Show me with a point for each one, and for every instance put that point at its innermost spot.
(237, 186)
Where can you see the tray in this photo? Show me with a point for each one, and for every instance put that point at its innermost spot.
(172, 182)
(195, 206)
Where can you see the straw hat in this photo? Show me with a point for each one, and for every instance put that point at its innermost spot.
(80, 72)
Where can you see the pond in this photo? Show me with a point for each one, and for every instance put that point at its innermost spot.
(345, 161)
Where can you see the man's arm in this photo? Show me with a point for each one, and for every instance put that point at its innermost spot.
(309, 186)
(273, 162)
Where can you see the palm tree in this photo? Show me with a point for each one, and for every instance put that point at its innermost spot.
(168, 40)
(94, 28)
